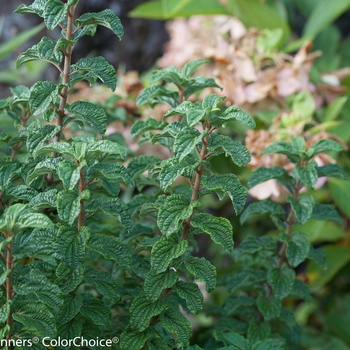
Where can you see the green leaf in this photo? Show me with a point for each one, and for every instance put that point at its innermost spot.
(174, 322)
(88, 112)
(36, 7)
(58, 147)
(331, 170)
(186, 141)
(105, 147)
(164, 251)
(175, 210)
(202, 270)
(38, 136)
(54, 13)
(340, 191)
(269, 306)
(281, 280)
(169, 74)
(308, 174)
(230, 185)
(194, 116)
(36, 317)
(282, 147)
(191, 66)
(298, 248)
(324, 145)
(318, 256)
(258, 330)
(234, 113)
(155, 93)
(42, 95)
(5, 311)
(181, 109)
(142, 310)
(192, 294)
(96, 311)
(68, 206)
(269, 344)
(211, 101)
(18, 192)
(232, 340)
(302, 207)
(234, 149)
(130, 339)
(103, 281)
(155, 283)
(145, 125)
(45, 50)
(219, 229)
(199, 83)
(254, 244)
(112, 206)
(138, 165)
(48, 165)
(334, 109)
(106, 18)
(69, 173)
(263, 174)
(72, 245)
(68, 279)
(97, 68)
(70, 308)
(112, 248)
(326, 212)
(266, 206)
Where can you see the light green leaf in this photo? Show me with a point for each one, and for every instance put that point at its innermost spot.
(88, 112)
(335, 107)
(282, 147)
(68, 206)
(105, 147)
(5, 311)
(38, 136)
(156, 282)
(308, 174)
(324, 145)
(211, 101)
(326, 212)
(192, 294)
(138, 165)
(111, 248)
(194, 116)
(175, 210)
(340, 191)
(191, 66)
(263, 174)
(72, 245)
(96, 311)
(42, 95)
(97, 67)
(164, 251)
(145, 125)
(169, 74)
(69, 173)
(59, 147)
(298, 248)
(234, 113)
(174, 322)
(186, 140)
(54, 13)
(182, 109)
(130, 339)
(269, 306)
(281, 280)
(36, 7)
(202, 270)
(106, 18)
(48, 165)
(142, 310)
(219, 229)
(230, 185)
(34, 220)
(302, 207)
(199, 83)
(234, 149)
(13, 193)
(103, 281)
(331, 170)
(70, 308)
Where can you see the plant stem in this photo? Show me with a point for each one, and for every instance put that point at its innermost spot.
(196, 186)
(9, 289)
(81, 189)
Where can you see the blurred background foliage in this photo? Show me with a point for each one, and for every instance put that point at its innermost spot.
(285, 61)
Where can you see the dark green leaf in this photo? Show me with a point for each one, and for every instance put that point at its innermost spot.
(326, 212)
(324, 145)
(68, 206)
(302, 207)
(153, 93)
(134, 340)
(38, 136)
(192, 294)
(308, 174)
(283, 147)
(269, 306)
(42, 95)
(269, 344)
(105, 147)
(144, 125)
(70, 308)
(281, 280)
(233, 341)
(234, 113)
(54, 13)
(69, 173)
(96, 311)
(156, 282)
(331, 170)
(186, 140)
(169, 74)
(138, 165)
(263, 174)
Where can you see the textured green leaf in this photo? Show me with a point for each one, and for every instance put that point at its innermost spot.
(230, 185)
(253, 244)
(175, 210)
(282, 147)
(234, 113)
(326, 212)
(269, 344)
(7, 173)
(68, 279)
(111, 206)
(324, 145)
(18, 192)
(155, 283)
(58, 147)
(69, 173)
(202, 270)
(263, 174)
(54, 13)
(70, 308)
(186, 141)
(68, 206)
(42, 95)
(36, 7)
(258, 330)
(211, 101)
(219, 229)
(106, 18)
(105, 147)
(308, 174)
(38, 136)
(318, 256)
(103, 281)
(169, 74)
(331, 170)
(266, 206)
(192, 294)
(233, 341)
(48, 165)
(281, 280)
(182, 109)
(298, 248)
(138, 165)
(130, 339)
(33, 220)
(164, 251)
(145, 125)
(194, 116)
(170, 131)
(153, 93)
(5, 311)
(97, 67)
(174, 322)
(96, 311)
(302, 207)
(72, 245)
(190, 67)
(88, 112)
(269, 306)
(45, 50)
(142, 310)
(36, 317)
(111, 248)
(199, 83)
(233, 149)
